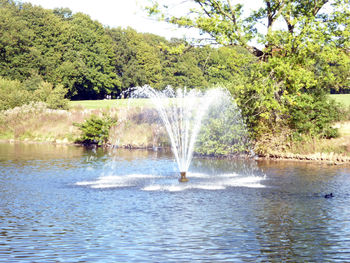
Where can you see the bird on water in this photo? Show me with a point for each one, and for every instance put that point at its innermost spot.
(329, 195)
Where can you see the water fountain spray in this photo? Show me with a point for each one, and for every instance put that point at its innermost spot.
(182, 112)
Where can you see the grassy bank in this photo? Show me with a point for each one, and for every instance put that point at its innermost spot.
(137, 128)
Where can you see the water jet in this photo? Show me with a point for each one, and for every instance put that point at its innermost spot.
(184, 112)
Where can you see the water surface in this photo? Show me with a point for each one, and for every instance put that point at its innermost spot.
(69, 204)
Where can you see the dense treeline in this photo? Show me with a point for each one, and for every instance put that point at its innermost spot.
(91, 61)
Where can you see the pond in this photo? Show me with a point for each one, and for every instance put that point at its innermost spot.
(70, 204)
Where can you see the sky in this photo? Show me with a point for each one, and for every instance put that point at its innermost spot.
(124, 13)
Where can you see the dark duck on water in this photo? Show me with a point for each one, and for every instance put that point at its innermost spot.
(329, 195)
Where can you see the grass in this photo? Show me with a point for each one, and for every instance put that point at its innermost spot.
(37, 123)
(130, 103)
(104, 104)
(116, 103)
(342, 98)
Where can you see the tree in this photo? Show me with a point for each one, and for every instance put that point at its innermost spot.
(227, 25)
(60, 48)
(137, 60)
(17, 56)
(181, 65)
(221, 65)
(89, 60)
(47, 42)
(304, 49)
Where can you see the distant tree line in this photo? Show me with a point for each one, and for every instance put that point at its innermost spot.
(91, 61)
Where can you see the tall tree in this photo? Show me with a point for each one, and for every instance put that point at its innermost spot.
(181, 65)
(137, 61)
(303, 51)
(90, 59)
(17, 54)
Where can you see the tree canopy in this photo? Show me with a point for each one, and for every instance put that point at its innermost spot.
(91, 61)
(301, 51)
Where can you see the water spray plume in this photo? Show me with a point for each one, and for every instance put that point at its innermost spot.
(182, 112)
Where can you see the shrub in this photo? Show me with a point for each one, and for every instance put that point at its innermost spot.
(223, 132)
(56, 99)
(13, 94)
(313, 115)
(95, 130)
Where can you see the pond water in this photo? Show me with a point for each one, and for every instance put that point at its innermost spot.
(69, 204)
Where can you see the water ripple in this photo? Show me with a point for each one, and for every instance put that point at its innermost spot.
(135, 210)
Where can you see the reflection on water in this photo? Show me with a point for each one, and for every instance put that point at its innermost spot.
(69, 204)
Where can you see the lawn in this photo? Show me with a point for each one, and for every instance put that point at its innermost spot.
(342, 98)
(122, 103)
(117, 103)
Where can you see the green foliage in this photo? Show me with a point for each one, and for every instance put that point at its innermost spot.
(300, 60)
(149, 59)
(14, 94)
(269, 106)
(223, 134)
(138, 59)
(61, 48)
(312, 115)
(91, 61)
(56, 98)
(181, 65)
(91, 57)
(223, 131)
(95, 130)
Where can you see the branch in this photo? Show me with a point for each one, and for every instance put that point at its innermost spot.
(286, 17)
(272, 16)
(203, 7)
(223, 12)
(232, 12)
(318, 6)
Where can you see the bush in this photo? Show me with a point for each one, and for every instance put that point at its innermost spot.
(95, 130)
(53, 97)
(223, 132)
(56, 100)
(313, 114)
(13, 94)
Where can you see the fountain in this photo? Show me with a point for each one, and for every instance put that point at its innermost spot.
(183, 112)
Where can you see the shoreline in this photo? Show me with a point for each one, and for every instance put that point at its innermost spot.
(321, 158)
(342, 160)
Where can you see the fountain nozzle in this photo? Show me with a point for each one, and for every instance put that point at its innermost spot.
(183, 178)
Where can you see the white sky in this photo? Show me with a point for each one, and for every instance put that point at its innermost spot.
(124, 13)
(115, 13)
